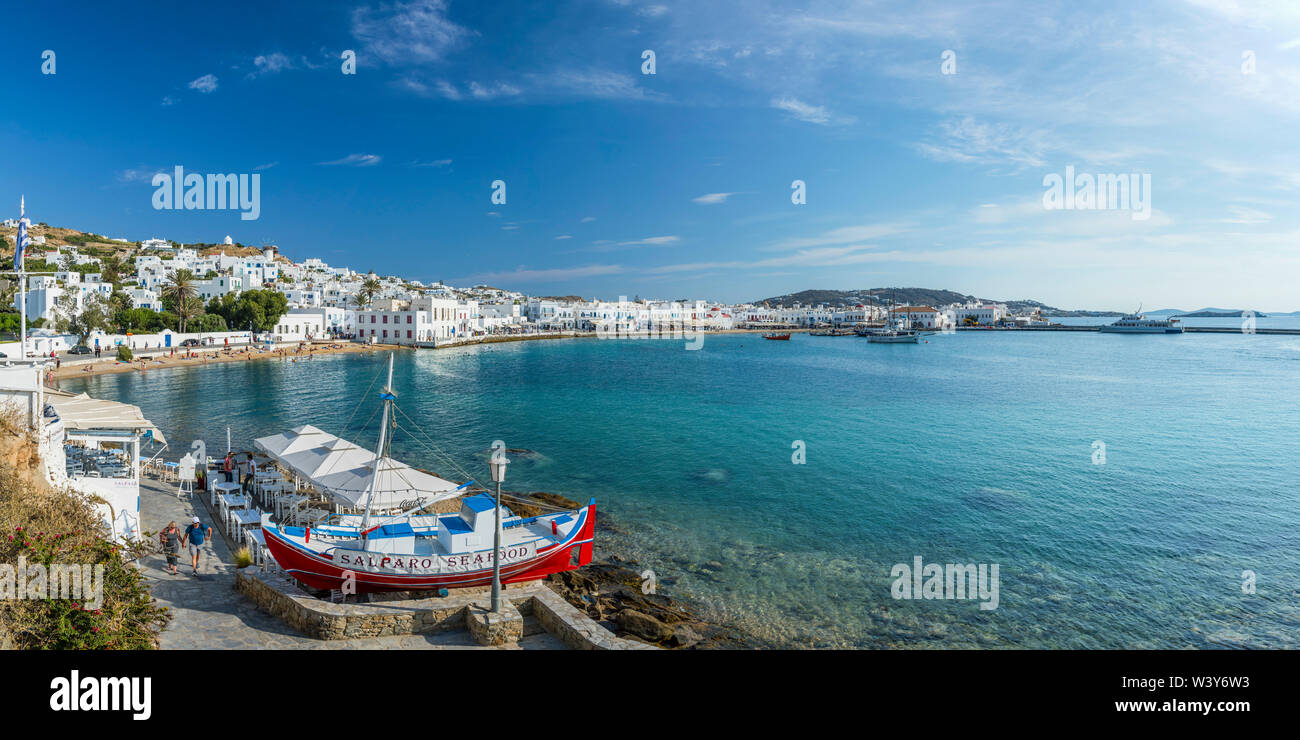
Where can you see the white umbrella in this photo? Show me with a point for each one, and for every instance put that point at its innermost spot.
(295, 440)
(396, 485)
(333, 456)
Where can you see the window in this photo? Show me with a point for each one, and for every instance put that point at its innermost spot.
(408, 320)
(385, 320)
(408, 336)
(372, 318)
(385, 333)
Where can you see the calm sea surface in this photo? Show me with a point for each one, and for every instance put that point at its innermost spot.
(971, 448)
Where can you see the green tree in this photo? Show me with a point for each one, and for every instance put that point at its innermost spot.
(93, 315)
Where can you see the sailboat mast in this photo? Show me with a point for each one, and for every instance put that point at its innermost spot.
(387, 395)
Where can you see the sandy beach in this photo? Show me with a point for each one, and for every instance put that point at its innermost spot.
(189, 357)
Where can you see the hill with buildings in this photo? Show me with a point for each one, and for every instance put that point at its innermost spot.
(912, 297)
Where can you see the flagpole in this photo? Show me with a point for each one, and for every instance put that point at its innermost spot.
(22, 277)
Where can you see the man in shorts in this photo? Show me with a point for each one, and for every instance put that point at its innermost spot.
(196, 534)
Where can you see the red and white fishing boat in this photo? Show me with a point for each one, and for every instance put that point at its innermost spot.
(407, 551)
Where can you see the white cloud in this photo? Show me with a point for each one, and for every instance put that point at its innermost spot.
(523, 275)
(204, 84)
(1244, 215)
(712, 198)
(972, 141)
(806, 112)
(564, 236)
(487, 92)
(270, 64)
(410, 33)
(356, 160)
(439, 163)
(652, 241)
(138, 174)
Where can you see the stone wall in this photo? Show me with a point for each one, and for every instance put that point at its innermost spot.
(324, 620)
(576, 629)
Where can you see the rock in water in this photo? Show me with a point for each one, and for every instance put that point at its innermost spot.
(643, 625)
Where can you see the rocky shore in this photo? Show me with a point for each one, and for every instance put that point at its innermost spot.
(629, 600)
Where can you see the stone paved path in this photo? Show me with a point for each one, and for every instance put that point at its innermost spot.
(209, 614)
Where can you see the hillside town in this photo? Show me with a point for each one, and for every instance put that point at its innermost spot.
(133, 299)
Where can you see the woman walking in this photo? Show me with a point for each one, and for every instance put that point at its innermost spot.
(171, 545)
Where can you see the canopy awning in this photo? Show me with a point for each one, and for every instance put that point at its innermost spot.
(295, 440)
(333, 456)
(345, 471)
(83, 413)
(397, 485)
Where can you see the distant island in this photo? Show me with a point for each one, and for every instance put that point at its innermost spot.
(914, 297)
(939, 297)
(1216, 314)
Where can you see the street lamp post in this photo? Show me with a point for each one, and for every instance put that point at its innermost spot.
(497, 463)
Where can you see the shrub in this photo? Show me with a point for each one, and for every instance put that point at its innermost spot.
(45, 526)
(243, 557)
(124, 353)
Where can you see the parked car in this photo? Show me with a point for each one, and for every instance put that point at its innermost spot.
(81, 349)
(190, 343)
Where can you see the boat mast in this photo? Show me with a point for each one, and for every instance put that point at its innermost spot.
(387, 395)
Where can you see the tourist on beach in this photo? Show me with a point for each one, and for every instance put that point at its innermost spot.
(196, 534)
(228, 467)
(171, 545)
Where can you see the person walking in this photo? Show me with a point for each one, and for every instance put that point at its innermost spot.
(196, 535)
(252, 473)
(170, 538)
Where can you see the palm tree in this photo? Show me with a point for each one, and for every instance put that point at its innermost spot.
(369, 289)
(180, 289)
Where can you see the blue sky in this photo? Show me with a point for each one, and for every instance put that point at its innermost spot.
(677, 184)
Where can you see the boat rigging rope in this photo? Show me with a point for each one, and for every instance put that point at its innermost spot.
(447, 458)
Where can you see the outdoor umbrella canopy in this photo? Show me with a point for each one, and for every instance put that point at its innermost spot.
(295, 440)
(334, 456)
(396, 485)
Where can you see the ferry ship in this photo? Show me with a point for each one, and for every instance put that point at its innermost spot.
(1136, 323)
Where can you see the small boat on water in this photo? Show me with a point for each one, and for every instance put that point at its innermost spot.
(784, 337)
(895, 332)
(409, 551)
(895, 336)
(831, 333)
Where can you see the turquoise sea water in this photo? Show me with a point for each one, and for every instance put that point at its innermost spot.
(971, 448)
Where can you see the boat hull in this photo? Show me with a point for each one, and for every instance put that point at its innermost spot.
(317, 571)
(1140, 330)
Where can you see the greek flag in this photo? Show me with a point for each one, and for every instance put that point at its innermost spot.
(21, 241)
